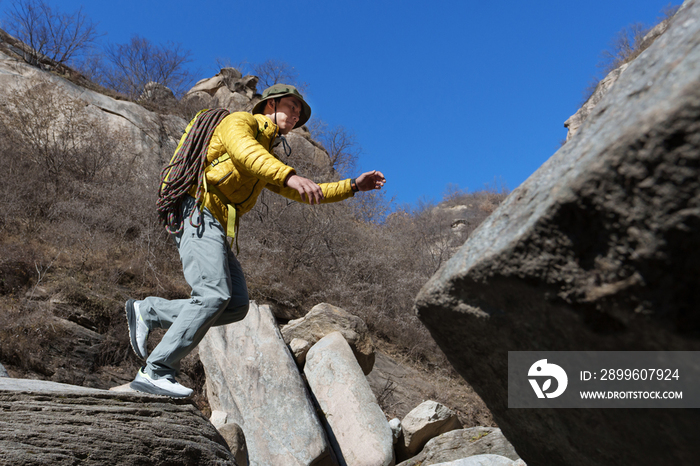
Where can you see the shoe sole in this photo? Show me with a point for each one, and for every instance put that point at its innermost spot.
(131, 323)
(151, 389)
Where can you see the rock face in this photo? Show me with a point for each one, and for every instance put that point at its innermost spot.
(598, 250)
(577, 119)
(52, 423)
(151, 137)
(252, 377)
(427, 420)
(463, 443)
(359, 432)
(228, 89)
(324, 319)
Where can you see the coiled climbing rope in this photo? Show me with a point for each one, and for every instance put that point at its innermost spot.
(186, 169)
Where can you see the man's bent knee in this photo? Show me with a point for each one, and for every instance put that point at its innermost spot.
(233, 314)
(213, 304)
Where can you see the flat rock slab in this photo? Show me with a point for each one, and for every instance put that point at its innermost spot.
(58, 424)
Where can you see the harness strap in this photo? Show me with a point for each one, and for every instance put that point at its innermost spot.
(232, 221)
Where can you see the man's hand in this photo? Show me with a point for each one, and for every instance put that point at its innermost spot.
(308, 190)
(370, 180)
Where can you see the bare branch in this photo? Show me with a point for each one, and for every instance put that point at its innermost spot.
(51, 34)
(275, 72)
(140, 62)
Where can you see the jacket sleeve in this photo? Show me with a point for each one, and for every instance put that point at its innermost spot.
(238, 135)
(332, 192)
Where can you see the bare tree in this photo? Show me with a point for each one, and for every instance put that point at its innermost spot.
(624, 47)
(140, 62)
(50, 34)
(275, 71)
(340, 143)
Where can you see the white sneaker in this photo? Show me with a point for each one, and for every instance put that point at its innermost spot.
(138, 330)
(165, 386)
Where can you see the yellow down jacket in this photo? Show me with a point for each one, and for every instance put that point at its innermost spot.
(250, 167)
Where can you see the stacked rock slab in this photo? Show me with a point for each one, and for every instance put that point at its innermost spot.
(357, 428)
(252, 377)
(597, 250)
(51, 423)
(482, 460)
(324, 319)
(463, 443)
(426, 421)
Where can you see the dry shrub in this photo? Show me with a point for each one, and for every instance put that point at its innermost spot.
(25, 336)
(353, 255)
(77, 222)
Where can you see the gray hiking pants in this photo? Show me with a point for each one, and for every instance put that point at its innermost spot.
(219, 293)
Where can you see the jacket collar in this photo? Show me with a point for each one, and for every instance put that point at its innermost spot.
(267, 127)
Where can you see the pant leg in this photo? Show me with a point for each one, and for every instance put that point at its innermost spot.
(204, 253)
(238, 305)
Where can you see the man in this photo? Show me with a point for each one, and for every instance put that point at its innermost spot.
(240, 165)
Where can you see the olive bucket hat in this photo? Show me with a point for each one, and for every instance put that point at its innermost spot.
(278, 91)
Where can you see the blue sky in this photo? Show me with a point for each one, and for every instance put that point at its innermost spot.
(443, 92)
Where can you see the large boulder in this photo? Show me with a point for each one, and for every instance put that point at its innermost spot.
(358, 430)
(252, 377)
(427, 420)
(484, 460)
(51, 423)
(324, 319)
(463, 443)
(227, 89)
(598, 250)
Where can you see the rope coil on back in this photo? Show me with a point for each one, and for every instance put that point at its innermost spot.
(186, 169)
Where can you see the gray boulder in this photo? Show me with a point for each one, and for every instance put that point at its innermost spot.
(251, 376)
(483, 460)
(299, 348)
(52, 423)
(324, 319)
(357, 428)
(463, 443)
(598, 250)
(424, 422)
(227, 89)
(232, 433)
(3, 372)
(235, 439)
